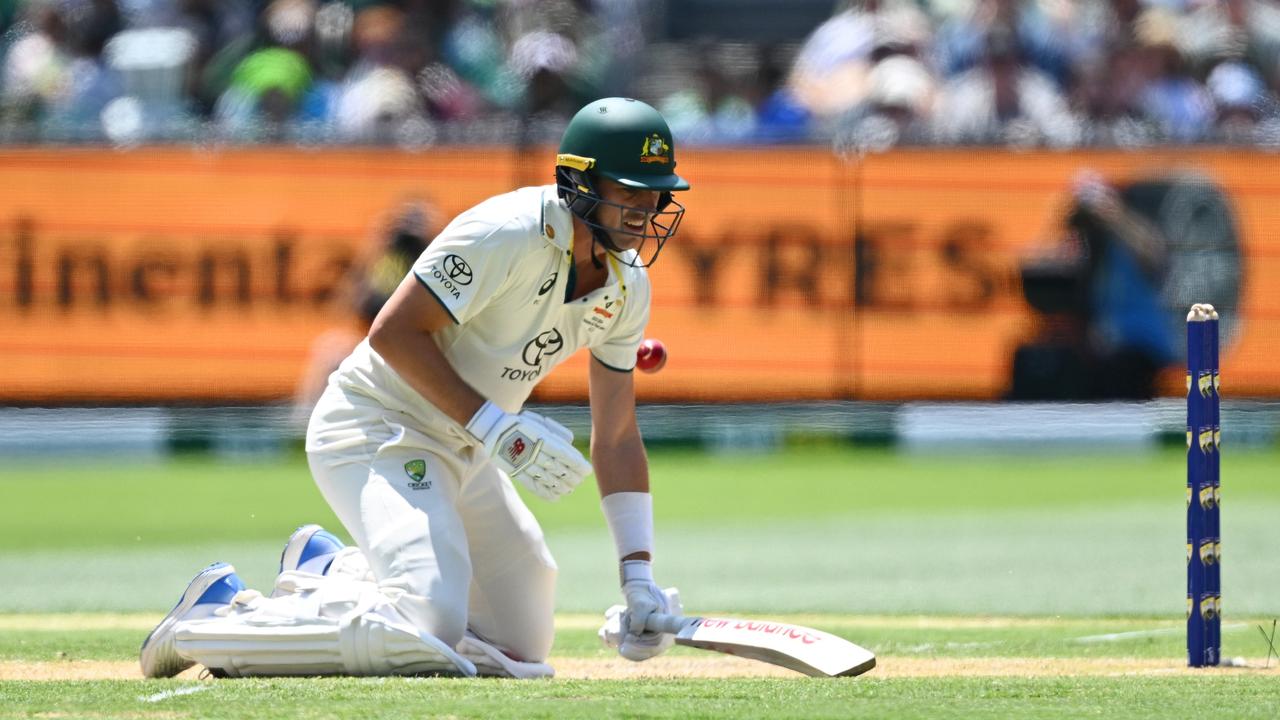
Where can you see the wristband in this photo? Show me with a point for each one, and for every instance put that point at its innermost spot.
(485, 419)
(630, 519)
(632, 570)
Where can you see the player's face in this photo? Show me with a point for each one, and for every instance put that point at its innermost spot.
(630, 212)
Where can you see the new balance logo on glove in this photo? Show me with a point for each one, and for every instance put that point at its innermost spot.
(516, 449)
(535, 451)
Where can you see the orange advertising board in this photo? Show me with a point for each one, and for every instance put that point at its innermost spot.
(174, 275)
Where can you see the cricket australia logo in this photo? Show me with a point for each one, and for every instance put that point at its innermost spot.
(417, 472)
(655, 150)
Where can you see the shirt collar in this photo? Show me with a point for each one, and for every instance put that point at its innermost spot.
(556, 221)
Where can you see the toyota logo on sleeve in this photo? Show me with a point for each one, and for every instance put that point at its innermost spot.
(457, 269)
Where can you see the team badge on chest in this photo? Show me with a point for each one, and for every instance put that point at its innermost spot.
(417, 472)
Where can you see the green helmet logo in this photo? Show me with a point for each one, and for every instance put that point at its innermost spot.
(655, 150)
(628, 142)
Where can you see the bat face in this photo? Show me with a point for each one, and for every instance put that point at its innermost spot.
(799, 648)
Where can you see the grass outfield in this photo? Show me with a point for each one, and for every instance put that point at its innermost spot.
(776, 699)
(824, 529)
(1007, 586)
(929, 667)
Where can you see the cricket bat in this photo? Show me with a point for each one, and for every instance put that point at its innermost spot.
(812, 652)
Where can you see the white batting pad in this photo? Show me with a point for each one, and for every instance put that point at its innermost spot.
(350, 562)
(340, 627)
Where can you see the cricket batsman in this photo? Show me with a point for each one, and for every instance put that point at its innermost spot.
(420, 434)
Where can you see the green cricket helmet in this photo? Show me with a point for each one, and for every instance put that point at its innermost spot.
(626, 141)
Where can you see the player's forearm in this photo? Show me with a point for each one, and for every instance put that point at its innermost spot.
(622, 470)
(620, 465)
(416, 357)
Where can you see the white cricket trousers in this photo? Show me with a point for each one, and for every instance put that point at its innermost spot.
(448, 540)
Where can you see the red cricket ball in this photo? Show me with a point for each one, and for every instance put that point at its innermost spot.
(651, 356)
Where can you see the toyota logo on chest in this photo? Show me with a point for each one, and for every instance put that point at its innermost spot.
(547, 343)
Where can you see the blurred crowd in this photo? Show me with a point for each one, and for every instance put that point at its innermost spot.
(1058, 73)
(357, 71)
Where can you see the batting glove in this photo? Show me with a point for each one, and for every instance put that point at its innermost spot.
(624, 624)
(536, 451)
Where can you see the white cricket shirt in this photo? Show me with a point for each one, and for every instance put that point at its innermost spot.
(501, 269)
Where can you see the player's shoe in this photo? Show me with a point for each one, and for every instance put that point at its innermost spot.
(211, 589)
(311, 549)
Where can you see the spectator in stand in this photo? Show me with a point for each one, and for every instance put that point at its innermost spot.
(833, 71)
(225, 32)
(619, 40)
(1047, 33)
(1242, 101)
(475, 49)
(1172, 98)
(1248, 29)
(830, 74)
(567, 39)
(410, 71)
(545, 64)
(54, 83)
(35, 73)
(380, 101)
(716, 107)
(1267, 132)
(536, 62)
(830, 69)
(266, 88)
(75, 112)
(1003, 100)
(780, 116)
(1107, 92)
(898, 108)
